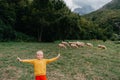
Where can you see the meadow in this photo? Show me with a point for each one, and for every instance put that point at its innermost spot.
(74, 64)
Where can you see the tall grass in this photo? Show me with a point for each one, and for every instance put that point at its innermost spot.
(74, 64)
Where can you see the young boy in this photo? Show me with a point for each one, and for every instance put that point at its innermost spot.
(39, 64)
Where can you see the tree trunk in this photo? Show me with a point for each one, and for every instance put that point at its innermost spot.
(40, 31)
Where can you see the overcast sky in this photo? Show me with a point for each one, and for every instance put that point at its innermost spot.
(96, 4)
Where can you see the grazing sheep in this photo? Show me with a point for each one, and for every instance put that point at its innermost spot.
(80, 44)
(89, 44)
(62, 46)
(102, 46)
(73, 45)
(65, 43)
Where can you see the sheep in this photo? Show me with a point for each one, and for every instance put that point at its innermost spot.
(65, 43)
(80, 44)
(74, 45)
(102, 46)
(89, 44)
(62, 46)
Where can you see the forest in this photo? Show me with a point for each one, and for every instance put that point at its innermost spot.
(51, 20)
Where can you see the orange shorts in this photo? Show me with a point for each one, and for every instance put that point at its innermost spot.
(41, 77)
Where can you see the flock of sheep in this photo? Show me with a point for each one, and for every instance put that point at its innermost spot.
(78, 44)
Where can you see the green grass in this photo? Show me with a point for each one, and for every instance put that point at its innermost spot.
(74, 64)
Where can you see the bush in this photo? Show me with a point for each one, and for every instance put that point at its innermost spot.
(115, 37)
(23, 37)
(6, 32)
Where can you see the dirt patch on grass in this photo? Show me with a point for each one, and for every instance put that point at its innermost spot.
(79, 76)
(56, 75)
(10, 73)
(1, 55)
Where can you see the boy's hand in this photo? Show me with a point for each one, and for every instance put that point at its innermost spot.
(58, 56)
(18, 59)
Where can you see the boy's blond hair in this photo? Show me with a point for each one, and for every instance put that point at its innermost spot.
(39, 52)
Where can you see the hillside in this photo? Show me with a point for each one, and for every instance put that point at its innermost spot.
(107, 17)
(111, 10)
(114, 4)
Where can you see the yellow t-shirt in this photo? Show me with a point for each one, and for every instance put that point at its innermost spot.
(39, 65)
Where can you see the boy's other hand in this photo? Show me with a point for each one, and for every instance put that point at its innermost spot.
(58, 55)
(18, 59)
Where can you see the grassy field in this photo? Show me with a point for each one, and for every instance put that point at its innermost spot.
(75, 64)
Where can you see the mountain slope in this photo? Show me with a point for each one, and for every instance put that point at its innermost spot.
(114, 4)
(111, 9)
(108, 17)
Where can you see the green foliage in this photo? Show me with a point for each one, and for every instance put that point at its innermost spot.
(115, 37)
(47, 20)
(107, 18)
(50, 20)
(6, 32)
(23, 37)
(67, 26)
(7, 13)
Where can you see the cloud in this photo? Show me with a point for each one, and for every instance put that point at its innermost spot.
(96, 4)
(71, 4)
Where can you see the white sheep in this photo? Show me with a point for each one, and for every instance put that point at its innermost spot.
(80, 44)
(89, 44)
(65, 43)
(102, 46)
(62, 46)
(74, 45)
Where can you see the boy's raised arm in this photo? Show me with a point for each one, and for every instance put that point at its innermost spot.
(25, 60)
(53, 59)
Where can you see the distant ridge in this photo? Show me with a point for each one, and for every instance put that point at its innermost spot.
(83, 10)
(114, 4)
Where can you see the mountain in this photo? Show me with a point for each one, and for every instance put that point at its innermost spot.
(83, 10)
(114, 4)
(110, 10)
(108, 17)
